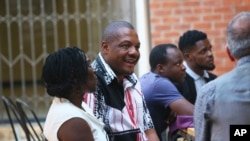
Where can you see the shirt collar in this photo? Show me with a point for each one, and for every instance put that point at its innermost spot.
(109, 71)
(194, 75)
(243, 60)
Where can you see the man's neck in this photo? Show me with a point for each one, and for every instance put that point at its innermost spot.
(194, 69)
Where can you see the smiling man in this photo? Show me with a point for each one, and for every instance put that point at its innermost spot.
(198, 56)
(118, 100)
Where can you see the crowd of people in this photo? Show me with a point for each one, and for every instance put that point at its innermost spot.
(105, 100)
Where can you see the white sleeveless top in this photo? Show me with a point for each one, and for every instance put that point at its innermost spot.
(62, 110)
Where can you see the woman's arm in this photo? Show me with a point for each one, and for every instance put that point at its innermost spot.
(75, 129)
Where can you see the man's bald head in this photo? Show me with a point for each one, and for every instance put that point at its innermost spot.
(112, 30)
(238, 35)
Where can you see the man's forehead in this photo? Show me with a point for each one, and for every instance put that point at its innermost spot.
(127, 35)
(202, 44)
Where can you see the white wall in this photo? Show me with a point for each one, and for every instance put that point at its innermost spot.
(142, 27)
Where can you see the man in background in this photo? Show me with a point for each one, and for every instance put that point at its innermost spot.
(161, 95)
(226, 100)
(198, 56)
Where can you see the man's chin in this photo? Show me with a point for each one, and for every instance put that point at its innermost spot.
(210, 68)
(129, 72)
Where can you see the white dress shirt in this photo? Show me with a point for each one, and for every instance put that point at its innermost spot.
(199, 81)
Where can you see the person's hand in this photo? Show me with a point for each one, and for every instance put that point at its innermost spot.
(171, 118)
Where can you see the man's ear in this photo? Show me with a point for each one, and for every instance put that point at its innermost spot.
(186, 55)
(105, 47)
(229, 54)
(159, 68)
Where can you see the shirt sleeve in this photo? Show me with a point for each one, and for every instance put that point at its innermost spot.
(203, 110)
(165, 92)
(95, 103)
(147, 120)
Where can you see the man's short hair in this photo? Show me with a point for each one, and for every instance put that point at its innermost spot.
(189, 38)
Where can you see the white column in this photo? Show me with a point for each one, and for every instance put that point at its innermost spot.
(142, 27)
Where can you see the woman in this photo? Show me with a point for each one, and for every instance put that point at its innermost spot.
(67, 76)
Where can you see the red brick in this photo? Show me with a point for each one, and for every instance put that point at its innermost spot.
(191, 18)
(170, 18)
(222, 9)
(232, 2)
(170, 4)
(182, 26)
(162, 27)
(212, 17)
(242, 8)
(184, 11)
(159, 42)
(154, 5)
(221, 25)
(203, 25)
(228, 16)
(203, 9)
(220, 40)
(187, 3)
(161, 13)
(171, 34)
(211, 3)
(155, 20)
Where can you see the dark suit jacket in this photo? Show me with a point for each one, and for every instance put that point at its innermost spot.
(187, 88)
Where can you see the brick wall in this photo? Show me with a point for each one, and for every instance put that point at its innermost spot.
(170, 18)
